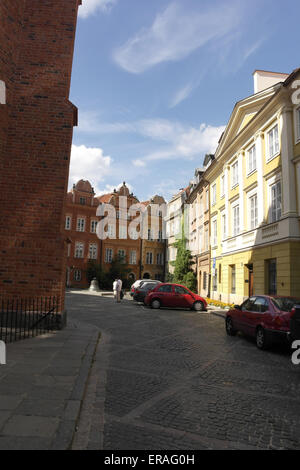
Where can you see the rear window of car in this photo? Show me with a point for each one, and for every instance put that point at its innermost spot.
(285, 303)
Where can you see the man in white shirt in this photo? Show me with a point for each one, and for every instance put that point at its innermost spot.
(117, 288)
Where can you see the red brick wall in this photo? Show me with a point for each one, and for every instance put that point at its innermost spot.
(36, 125)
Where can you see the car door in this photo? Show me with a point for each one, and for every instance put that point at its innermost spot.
(182, 297)
(244, 317)
(165, 295)
(260, 314)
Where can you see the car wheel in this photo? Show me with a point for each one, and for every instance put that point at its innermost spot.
(261, 339)
(199, 306)
(155, 304)
(229, 327)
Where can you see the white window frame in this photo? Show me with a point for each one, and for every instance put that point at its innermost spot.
(68, 223)
(77, 275)
(79, 250)
(236, 228)
(111, 231)
(80, 225)
(251, 158)
(93, 251)
(278, 209)
(123, 231)
(109, 254)
(214, 232)
(276, 152)
(235, 174)
(94, 224)
(224, 225)
(133, 257)
(253, 223)
(149, 257)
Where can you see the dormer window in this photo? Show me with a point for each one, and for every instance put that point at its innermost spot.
(82, 201)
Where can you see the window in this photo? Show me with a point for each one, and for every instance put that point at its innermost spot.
(214, 195)
(123, 232)
(133, 257)
(80, 224)
(93, 251)
(149, 258)
(253, 209)
(150, 235)
(68, 222)
(260, 305)
(275, 209)
(160, 236)
(235, 174)
(79, 250)
(222, 186)
(215, 233)
(122, 255)
(69, 250)
(233, 279)
(236, 220)
(273, 139)
(82, 201)
(160, 259)
(165, 289)
(111, 231)
(77, 275)
(252, 159)
(108, 255)
(181, 290)
(94, 226)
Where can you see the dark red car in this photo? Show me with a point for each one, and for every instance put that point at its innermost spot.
(175, 296)
(267, 318)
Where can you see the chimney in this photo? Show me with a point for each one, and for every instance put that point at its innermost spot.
(264, 79)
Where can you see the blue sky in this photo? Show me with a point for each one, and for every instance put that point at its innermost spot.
(155, 82)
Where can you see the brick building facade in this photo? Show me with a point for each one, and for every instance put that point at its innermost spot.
(143, 258)
(36, 125)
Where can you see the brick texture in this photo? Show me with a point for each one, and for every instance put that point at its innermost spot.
(36, 126)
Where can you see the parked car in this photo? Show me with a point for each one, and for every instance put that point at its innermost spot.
(295, 323)
(142, 291)
(139, 283)
(267, 318)
(175, 296)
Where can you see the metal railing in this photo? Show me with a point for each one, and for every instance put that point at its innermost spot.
(27, 318)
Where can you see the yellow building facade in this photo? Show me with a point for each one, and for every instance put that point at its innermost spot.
(255, 194)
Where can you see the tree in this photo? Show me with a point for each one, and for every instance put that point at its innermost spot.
(183, 273)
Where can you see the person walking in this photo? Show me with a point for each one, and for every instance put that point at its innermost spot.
(115, 289)
(120, 284)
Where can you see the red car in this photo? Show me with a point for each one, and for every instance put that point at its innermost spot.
(175, 296)
(267, 318)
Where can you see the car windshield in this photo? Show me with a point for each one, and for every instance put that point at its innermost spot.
(286, 303)
(148, 286)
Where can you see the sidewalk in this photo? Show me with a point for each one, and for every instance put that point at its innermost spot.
(42, 388)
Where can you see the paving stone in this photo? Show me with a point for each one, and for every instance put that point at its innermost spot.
(30, 426)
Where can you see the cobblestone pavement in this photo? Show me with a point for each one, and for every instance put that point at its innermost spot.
(173, 380)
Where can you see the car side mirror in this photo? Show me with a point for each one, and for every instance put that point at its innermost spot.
(237, 307)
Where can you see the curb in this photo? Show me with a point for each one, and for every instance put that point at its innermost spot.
(68, 426)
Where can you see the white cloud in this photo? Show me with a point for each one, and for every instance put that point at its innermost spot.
(90, 164)
(89, 7)
(139, 163)
(182, 95)
(175, 34)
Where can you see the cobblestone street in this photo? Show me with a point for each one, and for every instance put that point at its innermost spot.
(174, 380)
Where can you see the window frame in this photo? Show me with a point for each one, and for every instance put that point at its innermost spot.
(268, 153)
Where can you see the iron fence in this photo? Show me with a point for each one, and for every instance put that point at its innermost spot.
(26, 318)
